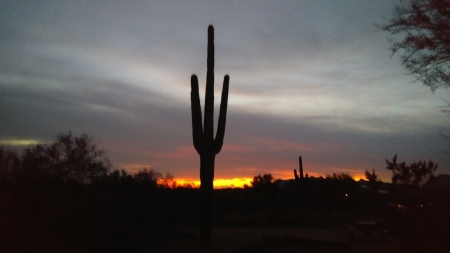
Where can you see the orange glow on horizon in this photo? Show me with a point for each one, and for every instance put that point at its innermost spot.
(358, 177)
(221, 183)
(218, 183)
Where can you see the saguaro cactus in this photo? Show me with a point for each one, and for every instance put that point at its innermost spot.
(301, 167)
(204, 142)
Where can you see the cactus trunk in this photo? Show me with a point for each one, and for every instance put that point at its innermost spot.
(203, 137)
(206, 192)
(301, 167)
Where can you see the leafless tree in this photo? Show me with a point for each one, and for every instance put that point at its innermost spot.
(420, 30)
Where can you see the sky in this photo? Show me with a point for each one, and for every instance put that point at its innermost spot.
(309, 78)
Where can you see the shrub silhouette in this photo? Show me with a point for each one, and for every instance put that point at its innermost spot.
(204, 142)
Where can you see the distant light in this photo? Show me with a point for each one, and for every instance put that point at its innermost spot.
(401, 207)
(20, 142)
(346, 195)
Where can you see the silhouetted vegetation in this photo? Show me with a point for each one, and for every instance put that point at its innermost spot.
(68, 159)
(300, 180)
(203, 136)
(62, 197)
(372, 177)
(423, 28)
(263, 182)
(340, 176)
(116, 211)
(415, 174)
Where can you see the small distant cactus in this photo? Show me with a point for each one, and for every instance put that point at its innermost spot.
(300, 179)
(301, 167)
(204, 142)
(296, 176)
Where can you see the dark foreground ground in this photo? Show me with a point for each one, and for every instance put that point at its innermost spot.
(282, 239)
(73, 218)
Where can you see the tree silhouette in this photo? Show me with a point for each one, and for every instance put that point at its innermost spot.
(69, 158)
(204, 142)
(263, 182)
(9, 162)
(147, 178)
(372, 176)
(167, 181)
(446, 109)
(415, 174)
(424, 29)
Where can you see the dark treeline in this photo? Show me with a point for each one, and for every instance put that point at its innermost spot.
(64, 197)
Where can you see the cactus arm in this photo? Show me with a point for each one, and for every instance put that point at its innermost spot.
(218, 141)
(196, 111)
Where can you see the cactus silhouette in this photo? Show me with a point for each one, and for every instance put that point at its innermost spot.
(300, 179)
(204, 142)
(301, 167)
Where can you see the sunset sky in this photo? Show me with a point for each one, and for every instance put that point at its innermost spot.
(309, 78)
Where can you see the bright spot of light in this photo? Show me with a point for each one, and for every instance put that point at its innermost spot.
(12, 142)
